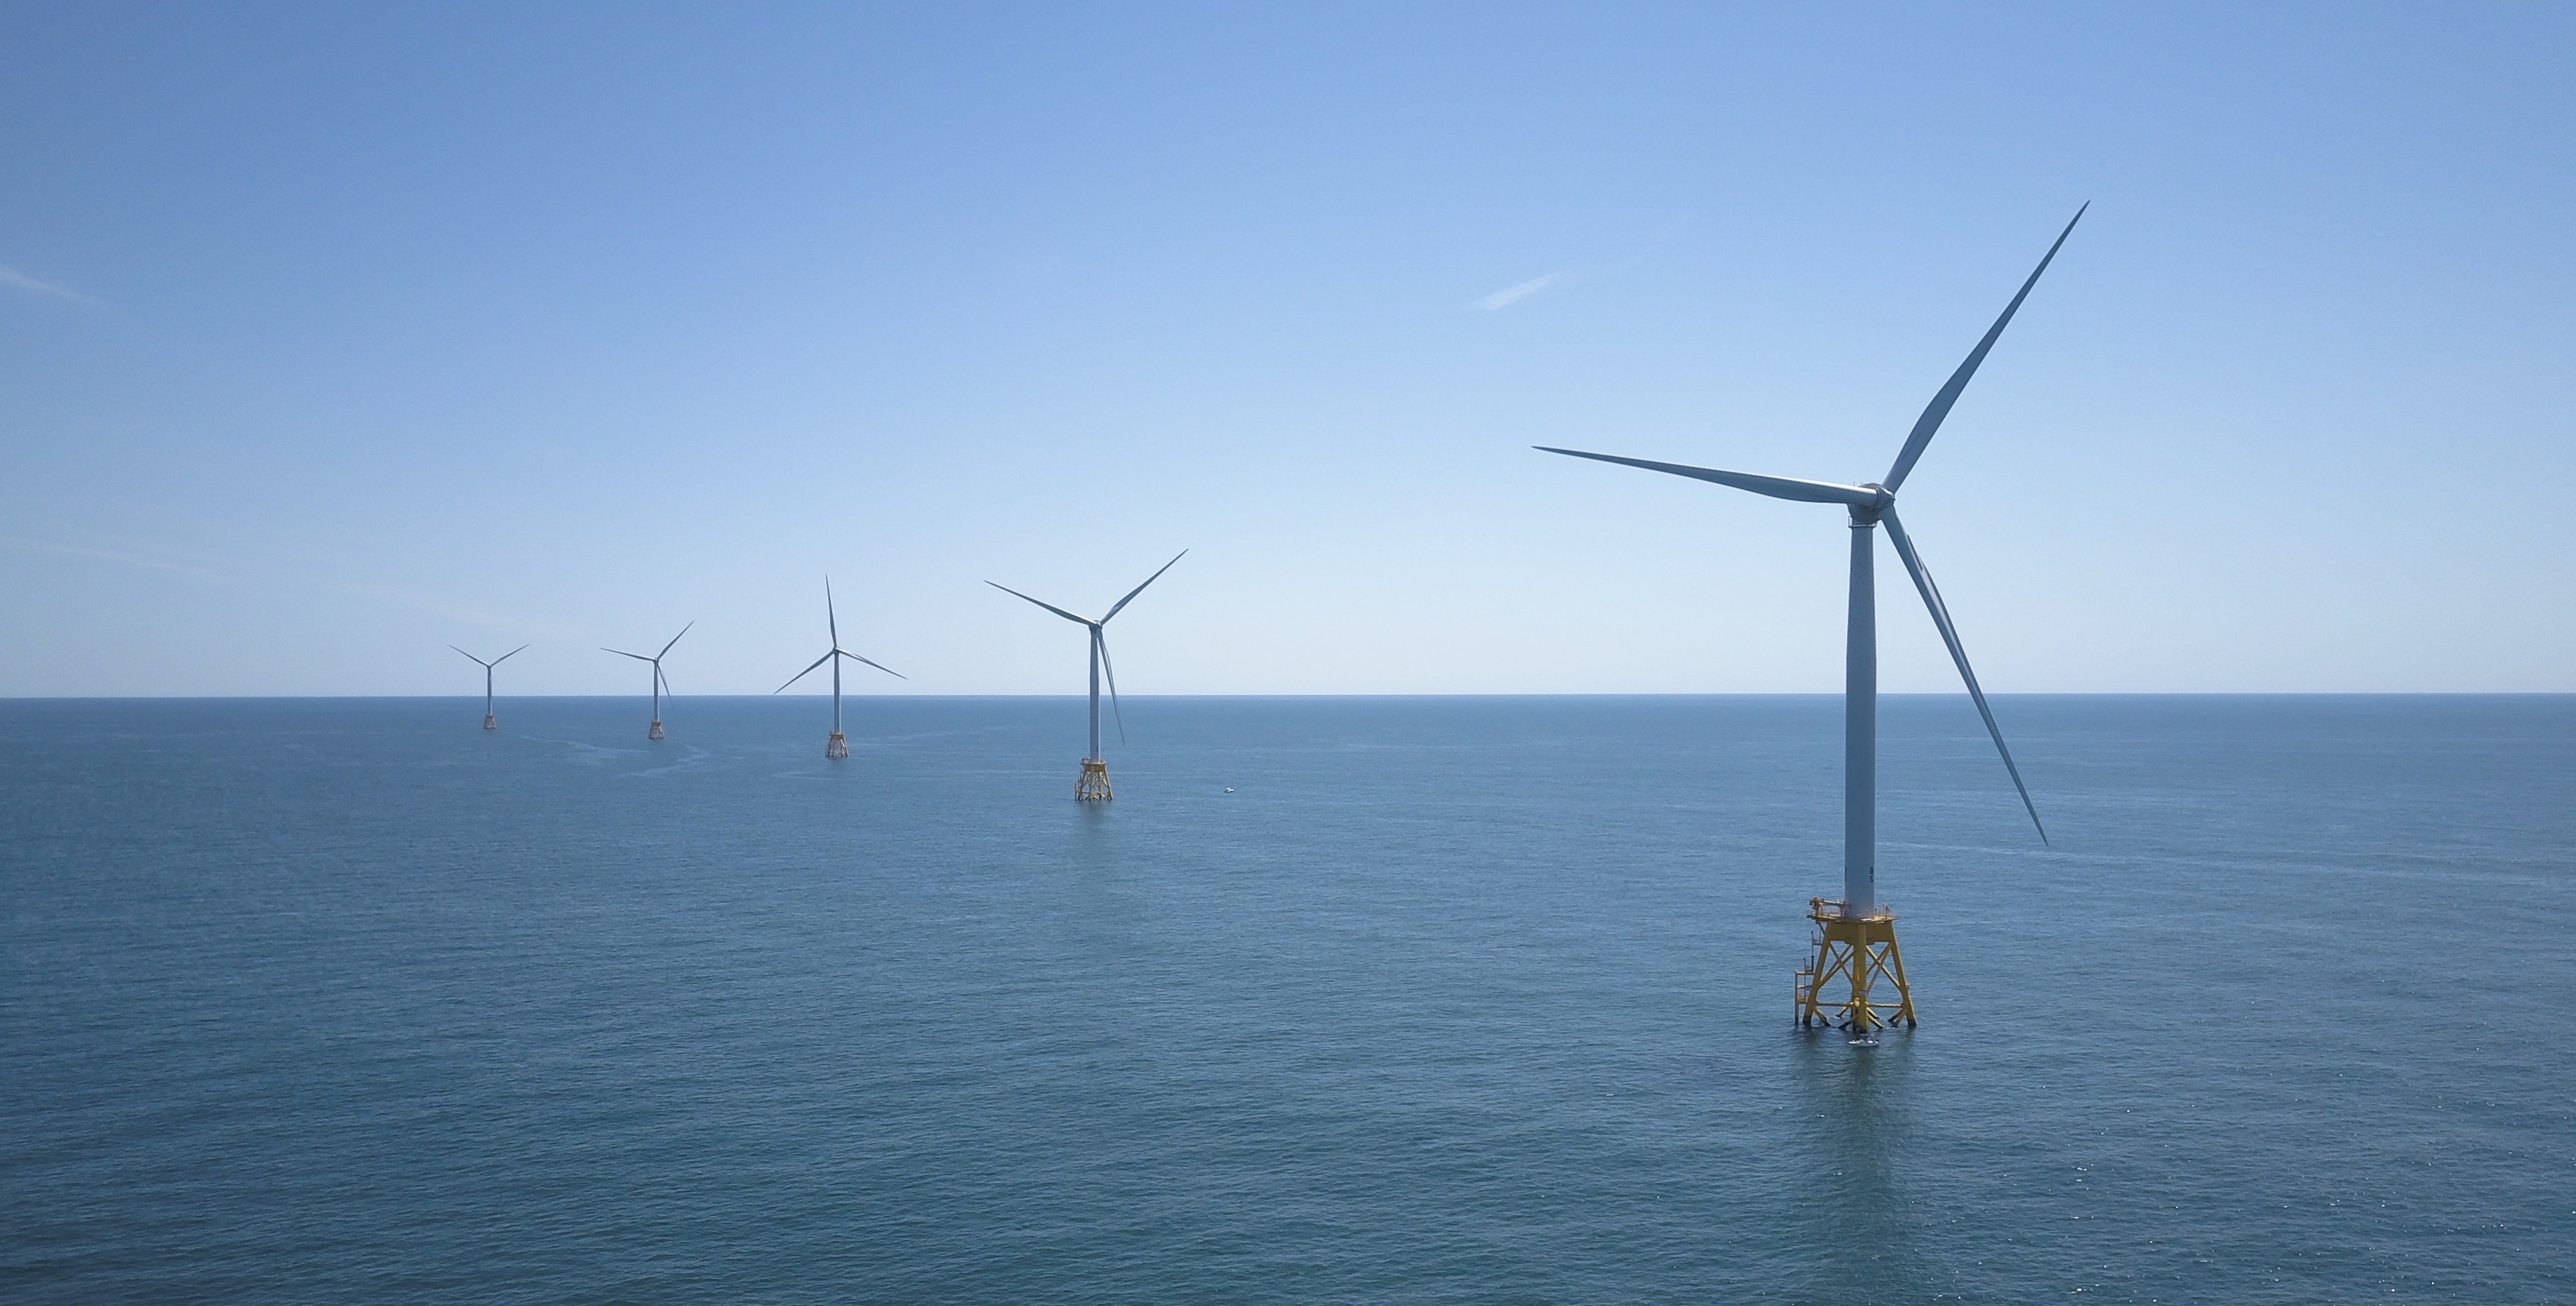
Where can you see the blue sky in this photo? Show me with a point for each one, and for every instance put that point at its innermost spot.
(332, 335)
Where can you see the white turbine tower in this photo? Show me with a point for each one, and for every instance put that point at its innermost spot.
(1094, 784)
(837, 747)
(1856, 938)
(659, 684)
(488, 722)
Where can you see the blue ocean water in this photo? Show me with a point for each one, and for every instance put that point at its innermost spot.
(1446, 1000)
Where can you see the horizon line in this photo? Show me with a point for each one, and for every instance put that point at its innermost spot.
(1684, 693)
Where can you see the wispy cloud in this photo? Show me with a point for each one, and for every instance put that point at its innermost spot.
(210, 570)
(1510, 295)
(17, 280)
(428, 603)
(126, 556)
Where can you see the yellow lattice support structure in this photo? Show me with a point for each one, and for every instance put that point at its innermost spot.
(1855, 954)
(1094, 785)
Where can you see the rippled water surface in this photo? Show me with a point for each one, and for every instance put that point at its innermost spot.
(1444, 1000)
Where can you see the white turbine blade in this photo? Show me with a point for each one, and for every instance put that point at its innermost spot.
(504, 657)
(802, 674)
(1778, 487)
(1950, 635)
(1131, 594)
(624, 654)
(480, 662)
(878, 665)
(676, 638)
(1040, 602)
(1101, 642)
(663, 680)
(1939, 408)
(833, 617)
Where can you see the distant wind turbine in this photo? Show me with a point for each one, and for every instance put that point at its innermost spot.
(1094, 785)
(659, 684)
(488, 722)
(1856, 938)
(838, 747)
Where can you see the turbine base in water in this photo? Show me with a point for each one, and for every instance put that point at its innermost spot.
(838, 748)
(655, 732)
(1094, 785)
(489, 723)
(1854, 954)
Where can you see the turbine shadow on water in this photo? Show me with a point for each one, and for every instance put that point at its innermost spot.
(1860, 1117)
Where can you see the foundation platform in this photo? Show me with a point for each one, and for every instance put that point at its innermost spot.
(489, 723)
(1856, 982)
(1094, 785)
(655, 732)
(838, 748)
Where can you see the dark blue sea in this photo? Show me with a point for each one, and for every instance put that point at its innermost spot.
(1341, 1000)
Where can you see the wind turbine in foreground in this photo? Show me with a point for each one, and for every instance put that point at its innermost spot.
(488, 722)
(659, 684)
(1093, 787)
(1856, 937)
(838, 747)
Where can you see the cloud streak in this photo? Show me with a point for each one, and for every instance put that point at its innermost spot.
(207, 569)
(17, 280)
(1510, 295)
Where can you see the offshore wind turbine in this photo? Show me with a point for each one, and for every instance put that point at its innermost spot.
(1856, 937)
(837, 747)
(659, 684)
(1093, 787)
(488, 722)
